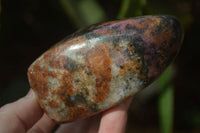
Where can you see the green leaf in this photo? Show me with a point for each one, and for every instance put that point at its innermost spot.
(131, 8)
(124, 9)
(83, 12)
(165, 102)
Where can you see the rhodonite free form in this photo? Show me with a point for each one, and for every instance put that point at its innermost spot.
(96, 68)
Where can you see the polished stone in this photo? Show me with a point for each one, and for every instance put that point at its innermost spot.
(96, 68)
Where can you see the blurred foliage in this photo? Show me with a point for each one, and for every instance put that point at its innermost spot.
(29, 27)
(131, 8)
(166, 100)
(178, 8)
(83, 12)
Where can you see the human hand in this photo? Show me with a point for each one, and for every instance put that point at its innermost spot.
(25, 115)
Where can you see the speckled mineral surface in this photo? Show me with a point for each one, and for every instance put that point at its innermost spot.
(96, 68)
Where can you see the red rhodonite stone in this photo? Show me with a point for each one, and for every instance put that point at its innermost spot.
(96, 68)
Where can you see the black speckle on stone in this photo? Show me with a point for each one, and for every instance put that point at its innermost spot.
(68, 101)
(88, 73)
(128, 86)
(139, 45)
(140, 18)
(115, 41)
(92, 35)
(158, 67)
(163, 26)
(156, 31)
(79, 98)
(76, 80)
(121, 67)
(148, 62)
(116, 28)
(93, 107)
(131, 28)
(71, 65)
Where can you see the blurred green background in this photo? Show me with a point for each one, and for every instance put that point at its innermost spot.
(29, 27)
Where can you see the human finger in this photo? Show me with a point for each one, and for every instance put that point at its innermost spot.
(21, 115)
(88, 125)
(114, 120)
(44, 125)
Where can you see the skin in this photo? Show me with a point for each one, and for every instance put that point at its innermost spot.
(25, 115)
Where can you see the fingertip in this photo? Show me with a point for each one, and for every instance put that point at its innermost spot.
(44, 125)
(31, 94)
(114, 120)
(20, 115)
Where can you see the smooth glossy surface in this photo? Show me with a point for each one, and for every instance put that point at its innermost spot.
(96, 68)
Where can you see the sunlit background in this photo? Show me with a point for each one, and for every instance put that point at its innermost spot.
(30, 27)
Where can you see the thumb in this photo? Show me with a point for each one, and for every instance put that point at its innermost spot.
(20, 115)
